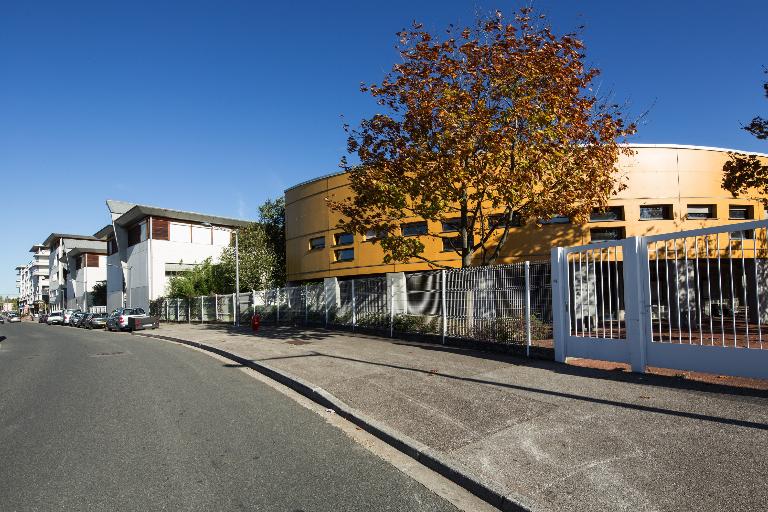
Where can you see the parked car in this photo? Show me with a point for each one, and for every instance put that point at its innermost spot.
(13, 318)
(55, 318)
(67, 315)
(42, 318)
(74, 320)
(95, 321)
(118, 320)
(2, 318)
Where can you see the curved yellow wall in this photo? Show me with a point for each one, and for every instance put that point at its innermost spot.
(677, 176)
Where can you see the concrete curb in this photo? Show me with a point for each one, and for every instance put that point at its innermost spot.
(401, 442)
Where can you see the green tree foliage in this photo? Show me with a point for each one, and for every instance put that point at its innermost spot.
(743, 173)
(262, 259)
(99, 294)
(497, 118)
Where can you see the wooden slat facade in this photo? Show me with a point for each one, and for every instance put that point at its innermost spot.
(161, 229)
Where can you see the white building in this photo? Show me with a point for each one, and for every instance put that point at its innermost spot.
(32, 281)
(75, 264)
(147, 245)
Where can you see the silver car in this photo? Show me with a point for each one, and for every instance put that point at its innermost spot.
(118, 319)
(56, 317)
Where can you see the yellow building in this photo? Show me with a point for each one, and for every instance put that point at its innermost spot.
(669, 188)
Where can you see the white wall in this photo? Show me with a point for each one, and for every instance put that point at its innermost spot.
(137, 279)
(177, 252)
(114, 282)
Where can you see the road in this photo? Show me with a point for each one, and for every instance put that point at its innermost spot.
(93, 421)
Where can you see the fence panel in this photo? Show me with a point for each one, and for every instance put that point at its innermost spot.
(371, 303)
(489, 304)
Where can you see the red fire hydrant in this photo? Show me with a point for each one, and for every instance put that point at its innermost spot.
(255, 322)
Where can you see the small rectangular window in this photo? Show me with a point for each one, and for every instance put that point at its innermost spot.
(747, 234)
(557, 219)
(451, 244)
(345, 254)
(606, 234)
(656, 212)
(375, 234)
(740, 212)
(609, 214)
(701, 211)
(414, 229)
(498, 220)
(317, 243)
(344, 238)
(451, 225)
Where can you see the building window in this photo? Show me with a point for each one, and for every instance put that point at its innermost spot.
(345, 254)
(746, 234)
(317, 243)
(557, 219)
(414, 228)
(451, 225)
(656, 212)
(498, 220)
(701, 211)
(609, 214)
(451, 244)
(606, 234)
(375, 234)
(740, 212)
(344, 238)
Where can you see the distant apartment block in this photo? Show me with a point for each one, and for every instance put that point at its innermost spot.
(32, 280)
(75, 264)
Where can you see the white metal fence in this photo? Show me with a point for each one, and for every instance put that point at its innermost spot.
(694, 300)
(505, 304)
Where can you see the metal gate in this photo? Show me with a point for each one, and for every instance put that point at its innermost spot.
(693, 300)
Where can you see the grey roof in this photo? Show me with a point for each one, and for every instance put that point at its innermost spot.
(139, 211)
(53, 236)
(37, 247)
(119, 207)
(104, 232)
(77, 251)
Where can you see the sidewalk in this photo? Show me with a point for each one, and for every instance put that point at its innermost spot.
(563, 437)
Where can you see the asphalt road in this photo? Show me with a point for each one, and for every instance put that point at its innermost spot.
(91, 420)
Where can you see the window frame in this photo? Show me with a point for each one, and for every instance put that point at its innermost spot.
(338, 252)
(749, 211)
(407, 225)
(621, 230)
(597, 211)
(318, 247)
(668, 212)
(337, 238)
(711, 214)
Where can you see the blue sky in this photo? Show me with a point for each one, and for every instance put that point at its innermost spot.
(214, 106)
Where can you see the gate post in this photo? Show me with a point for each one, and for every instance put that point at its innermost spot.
(560, 295)
(528, 308)
(636, 299)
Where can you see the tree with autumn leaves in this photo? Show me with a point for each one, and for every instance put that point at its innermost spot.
(482, 128)
(742, 173)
